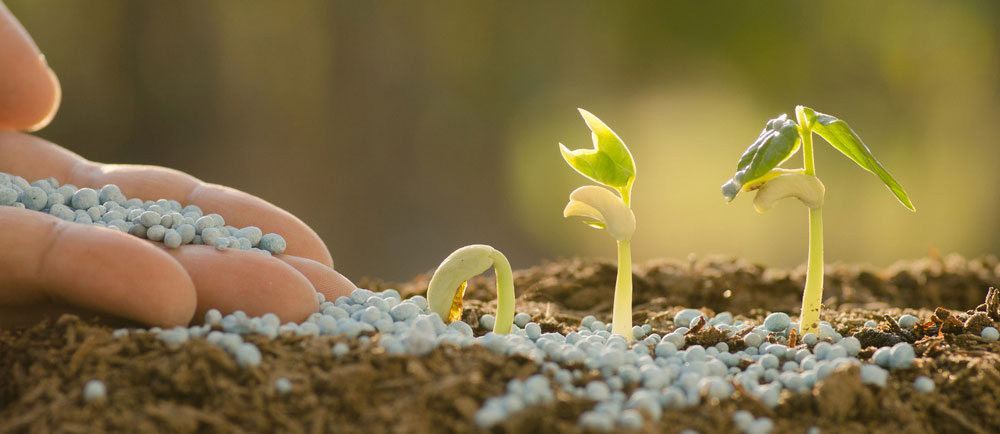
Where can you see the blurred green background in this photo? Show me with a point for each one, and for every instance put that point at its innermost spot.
(403, 130)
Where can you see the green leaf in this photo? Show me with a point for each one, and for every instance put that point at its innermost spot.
(842, 137)
(609, 163)
(778, 142)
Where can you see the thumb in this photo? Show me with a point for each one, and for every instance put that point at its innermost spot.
(29, 90)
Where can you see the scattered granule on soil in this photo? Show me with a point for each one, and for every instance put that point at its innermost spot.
(197, 387)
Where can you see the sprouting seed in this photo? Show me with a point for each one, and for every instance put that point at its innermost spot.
(447, 286)
(610, 164)
(757, 169)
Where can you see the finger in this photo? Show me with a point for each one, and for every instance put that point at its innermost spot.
(232, 280)
(324, 279)
(34, 158)
(44, 260)
(29, 91)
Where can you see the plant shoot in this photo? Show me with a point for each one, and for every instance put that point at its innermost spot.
(447, 287)
(610, 164)
(757, 169)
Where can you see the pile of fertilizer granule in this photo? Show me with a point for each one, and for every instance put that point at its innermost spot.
(163, 221)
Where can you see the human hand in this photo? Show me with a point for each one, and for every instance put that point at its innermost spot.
(49, 266)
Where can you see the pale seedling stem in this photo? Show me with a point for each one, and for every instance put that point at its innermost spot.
(621, 319)
(812, 297)
(505, 293)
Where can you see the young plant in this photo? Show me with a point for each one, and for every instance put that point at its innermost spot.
(447, 287)
(609, 164)
(757, 170)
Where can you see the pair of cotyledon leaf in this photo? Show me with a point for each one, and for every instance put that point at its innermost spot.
(781, 139)
(609, 163)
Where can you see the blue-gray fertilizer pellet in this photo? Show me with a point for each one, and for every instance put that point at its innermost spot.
(777, 322)
(872, 374)
(340, 349)
(172, 239)
(901, 356)
(907, 321)
(85, 198)
(283, 386)
(273, 243)
(33, 198)
(94, 390)
(923, 384)
(8, 196)
(247, 355)
(522, 319)
(486, 321)
(990, 333)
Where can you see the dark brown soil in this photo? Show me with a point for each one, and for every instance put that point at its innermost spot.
(199, 388)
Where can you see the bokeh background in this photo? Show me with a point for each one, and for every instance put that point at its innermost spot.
(403, 130)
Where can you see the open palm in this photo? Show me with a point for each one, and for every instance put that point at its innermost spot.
(49, 266)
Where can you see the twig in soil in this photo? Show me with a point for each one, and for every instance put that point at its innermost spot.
(992, 304)
(697, 326)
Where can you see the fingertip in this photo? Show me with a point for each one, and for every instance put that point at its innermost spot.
(325, 280)
(50, 261)
(29, 93)
(232, 280)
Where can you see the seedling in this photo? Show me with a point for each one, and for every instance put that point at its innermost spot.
(609, 164)
(447, 287)
(757, 169)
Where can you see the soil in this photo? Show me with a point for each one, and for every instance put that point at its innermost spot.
(197, 387)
